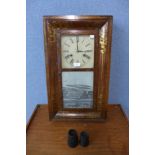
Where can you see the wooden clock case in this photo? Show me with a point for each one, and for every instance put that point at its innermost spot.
(54, 28)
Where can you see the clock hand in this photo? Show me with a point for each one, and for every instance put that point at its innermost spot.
(85, 51)
(77, 40)
(80, 51)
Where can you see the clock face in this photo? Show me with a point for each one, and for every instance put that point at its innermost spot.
(77, 51)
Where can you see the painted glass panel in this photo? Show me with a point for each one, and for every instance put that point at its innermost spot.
(77, 89)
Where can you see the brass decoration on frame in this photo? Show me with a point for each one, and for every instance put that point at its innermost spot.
(103, 46)
(103, 38)
(51, 32)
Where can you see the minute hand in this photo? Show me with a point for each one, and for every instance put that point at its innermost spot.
(77, 41)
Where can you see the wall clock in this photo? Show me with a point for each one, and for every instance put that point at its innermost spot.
(77, 52)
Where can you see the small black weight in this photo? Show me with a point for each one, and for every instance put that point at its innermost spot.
(84, 139)
(72, 138)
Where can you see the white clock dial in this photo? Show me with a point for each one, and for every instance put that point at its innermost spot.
(77, 51)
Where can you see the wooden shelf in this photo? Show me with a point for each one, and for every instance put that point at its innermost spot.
(46, 137)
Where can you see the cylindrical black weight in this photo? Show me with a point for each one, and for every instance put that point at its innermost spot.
(84, 139)
(72, 138)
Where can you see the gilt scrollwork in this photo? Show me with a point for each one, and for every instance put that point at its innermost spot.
(103, 38)
(103, 46)
(51, 32)
(51, 28)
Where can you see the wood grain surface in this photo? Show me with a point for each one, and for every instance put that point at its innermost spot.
(46, 137)
(54, 28)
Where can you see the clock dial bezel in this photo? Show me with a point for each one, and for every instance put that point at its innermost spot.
(81, 32)
(71, 32)
(73, 56)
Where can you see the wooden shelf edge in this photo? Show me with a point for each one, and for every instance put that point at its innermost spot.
(38, 105)
(32, 116)
(119, 105)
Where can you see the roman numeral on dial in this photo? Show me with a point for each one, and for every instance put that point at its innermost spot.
(66, 44)
(83, 61)
(88, 51)
(72, 60)
(86, 56)
(68, 56)
(71, 40)
(87, 45)
(65, 51)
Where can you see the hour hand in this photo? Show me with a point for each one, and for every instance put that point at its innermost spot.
(85, 51)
